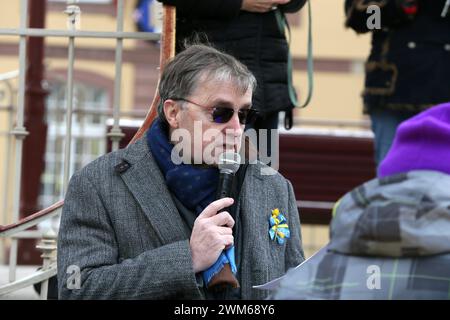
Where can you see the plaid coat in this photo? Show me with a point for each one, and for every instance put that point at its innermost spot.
(390, 239)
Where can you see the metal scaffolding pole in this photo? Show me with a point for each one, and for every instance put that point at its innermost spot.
(33, 164)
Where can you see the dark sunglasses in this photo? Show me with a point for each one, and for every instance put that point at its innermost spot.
(224, 114)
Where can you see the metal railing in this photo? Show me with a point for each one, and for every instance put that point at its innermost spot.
(8, 93)
(18, 133)
(47, 245)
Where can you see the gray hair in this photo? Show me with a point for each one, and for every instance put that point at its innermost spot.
(199, 62)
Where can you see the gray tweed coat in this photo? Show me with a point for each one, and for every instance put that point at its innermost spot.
(120, 227)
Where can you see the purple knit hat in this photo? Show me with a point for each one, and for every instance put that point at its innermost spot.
(421, 143)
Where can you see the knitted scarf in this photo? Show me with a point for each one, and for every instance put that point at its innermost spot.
(194, 186)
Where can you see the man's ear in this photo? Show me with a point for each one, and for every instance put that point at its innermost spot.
(171, 109)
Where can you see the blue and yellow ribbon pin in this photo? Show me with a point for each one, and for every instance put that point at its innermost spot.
(279, 230)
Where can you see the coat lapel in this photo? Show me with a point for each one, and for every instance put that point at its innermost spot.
(255, 231)
(146, 182)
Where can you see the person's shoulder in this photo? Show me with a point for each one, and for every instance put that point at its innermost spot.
(102, 164)
(267, 173)
(266, 181)
(112, 163)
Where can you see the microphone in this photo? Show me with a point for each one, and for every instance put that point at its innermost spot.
(228, 165)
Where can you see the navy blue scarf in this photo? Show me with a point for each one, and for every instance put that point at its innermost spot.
(194, 186)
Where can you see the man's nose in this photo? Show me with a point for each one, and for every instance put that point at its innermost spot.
(234, 123)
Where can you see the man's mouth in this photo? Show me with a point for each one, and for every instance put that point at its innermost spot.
(230, 147)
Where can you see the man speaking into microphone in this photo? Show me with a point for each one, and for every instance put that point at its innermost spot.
(160, 221)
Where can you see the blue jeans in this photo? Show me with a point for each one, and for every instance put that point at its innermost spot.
(384, 126)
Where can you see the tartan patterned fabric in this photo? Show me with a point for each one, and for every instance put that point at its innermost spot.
(329, 275)
(390, 239)
(397, 216)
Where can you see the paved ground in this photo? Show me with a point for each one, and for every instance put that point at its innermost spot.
(23, 294)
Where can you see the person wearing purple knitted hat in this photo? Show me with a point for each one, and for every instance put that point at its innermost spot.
(394, 228)
(421, 143)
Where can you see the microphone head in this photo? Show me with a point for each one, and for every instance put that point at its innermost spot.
(229, 162)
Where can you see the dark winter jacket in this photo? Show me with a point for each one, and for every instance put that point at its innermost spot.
(409, 63)
(253, 38)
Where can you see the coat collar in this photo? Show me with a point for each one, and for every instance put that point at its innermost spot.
(146, 182)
